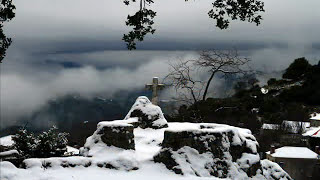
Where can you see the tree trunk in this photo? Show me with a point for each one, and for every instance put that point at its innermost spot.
(207, 87)
(194, 97)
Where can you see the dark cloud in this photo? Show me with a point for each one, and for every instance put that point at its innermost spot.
(75, 46)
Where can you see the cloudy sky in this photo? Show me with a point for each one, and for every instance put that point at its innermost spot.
(67, 46)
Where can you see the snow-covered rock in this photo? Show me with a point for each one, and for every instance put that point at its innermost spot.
(148, 114)
(271, 170)
(110, 133)
(149, 147)
(112, 145)
(210, 150)
(102, 161)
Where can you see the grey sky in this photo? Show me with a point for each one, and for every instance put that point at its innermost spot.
(66, 46)
(65, 25)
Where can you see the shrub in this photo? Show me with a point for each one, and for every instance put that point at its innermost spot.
(298, 68)
(25, 143)
(47, 144)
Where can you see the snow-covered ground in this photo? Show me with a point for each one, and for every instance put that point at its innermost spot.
(146, 172)
(147, 144)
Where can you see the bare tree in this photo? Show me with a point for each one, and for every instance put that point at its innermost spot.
(225, 62)
(182, 78)
(183, 74)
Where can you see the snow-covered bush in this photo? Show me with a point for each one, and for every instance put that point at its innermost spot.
(25, 143)
(51, 143)
(47, 144)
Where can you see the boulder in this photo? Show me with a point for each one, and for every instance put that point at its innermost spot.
(148, 114)
(211, 150)
(117, 133)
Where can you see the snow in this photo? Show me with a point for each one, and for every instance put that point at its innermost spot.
(290, 126)
(272, 170)
(264, 91)
(147, 145)
(294, 152)
(144, 104)
(313, 132)
(6, 141)
(156, 172)
(135, 164)
(72, 150)
(315, 116)
(7, 153)
(270, 126)
(113, 123)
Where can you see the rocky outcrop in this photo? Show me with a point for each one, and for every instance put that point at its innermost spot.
(149, 115)
(111, 133)
(211, 150)
(117, 134)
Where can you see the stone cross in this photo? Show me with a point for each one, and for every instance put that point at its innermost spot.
(155, 87)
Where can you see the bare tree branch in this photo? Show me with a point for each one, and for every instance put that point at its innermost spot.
(225, 62)
(183, 73)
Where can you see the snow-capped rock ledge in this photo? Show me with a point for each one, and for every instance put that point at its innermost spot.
(210, 150)
(146, 146)
(205, 150)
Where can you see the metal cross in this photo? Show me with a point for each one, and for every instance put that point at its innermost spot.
(155, 87)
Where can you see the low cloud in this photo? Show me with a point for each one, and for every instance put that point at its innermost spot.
(28, 81)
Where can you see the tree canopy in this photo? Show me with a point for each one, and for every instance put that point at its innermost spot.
(6, 14)
(298, 68)
(222, 12)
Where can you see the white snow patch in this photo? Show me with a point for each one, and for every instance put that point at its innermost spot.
(8, 153)
(313, 132)
(272, 170)
(294, 152)
(6, 141)
(72, 150)
(315, 116)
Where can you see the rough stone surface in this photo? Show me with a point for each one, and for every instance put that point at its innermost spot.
(148, 114)
(221, 147)
(118, 136)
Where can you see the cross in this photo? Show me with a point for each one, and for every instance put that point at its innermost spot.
(155, 87)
